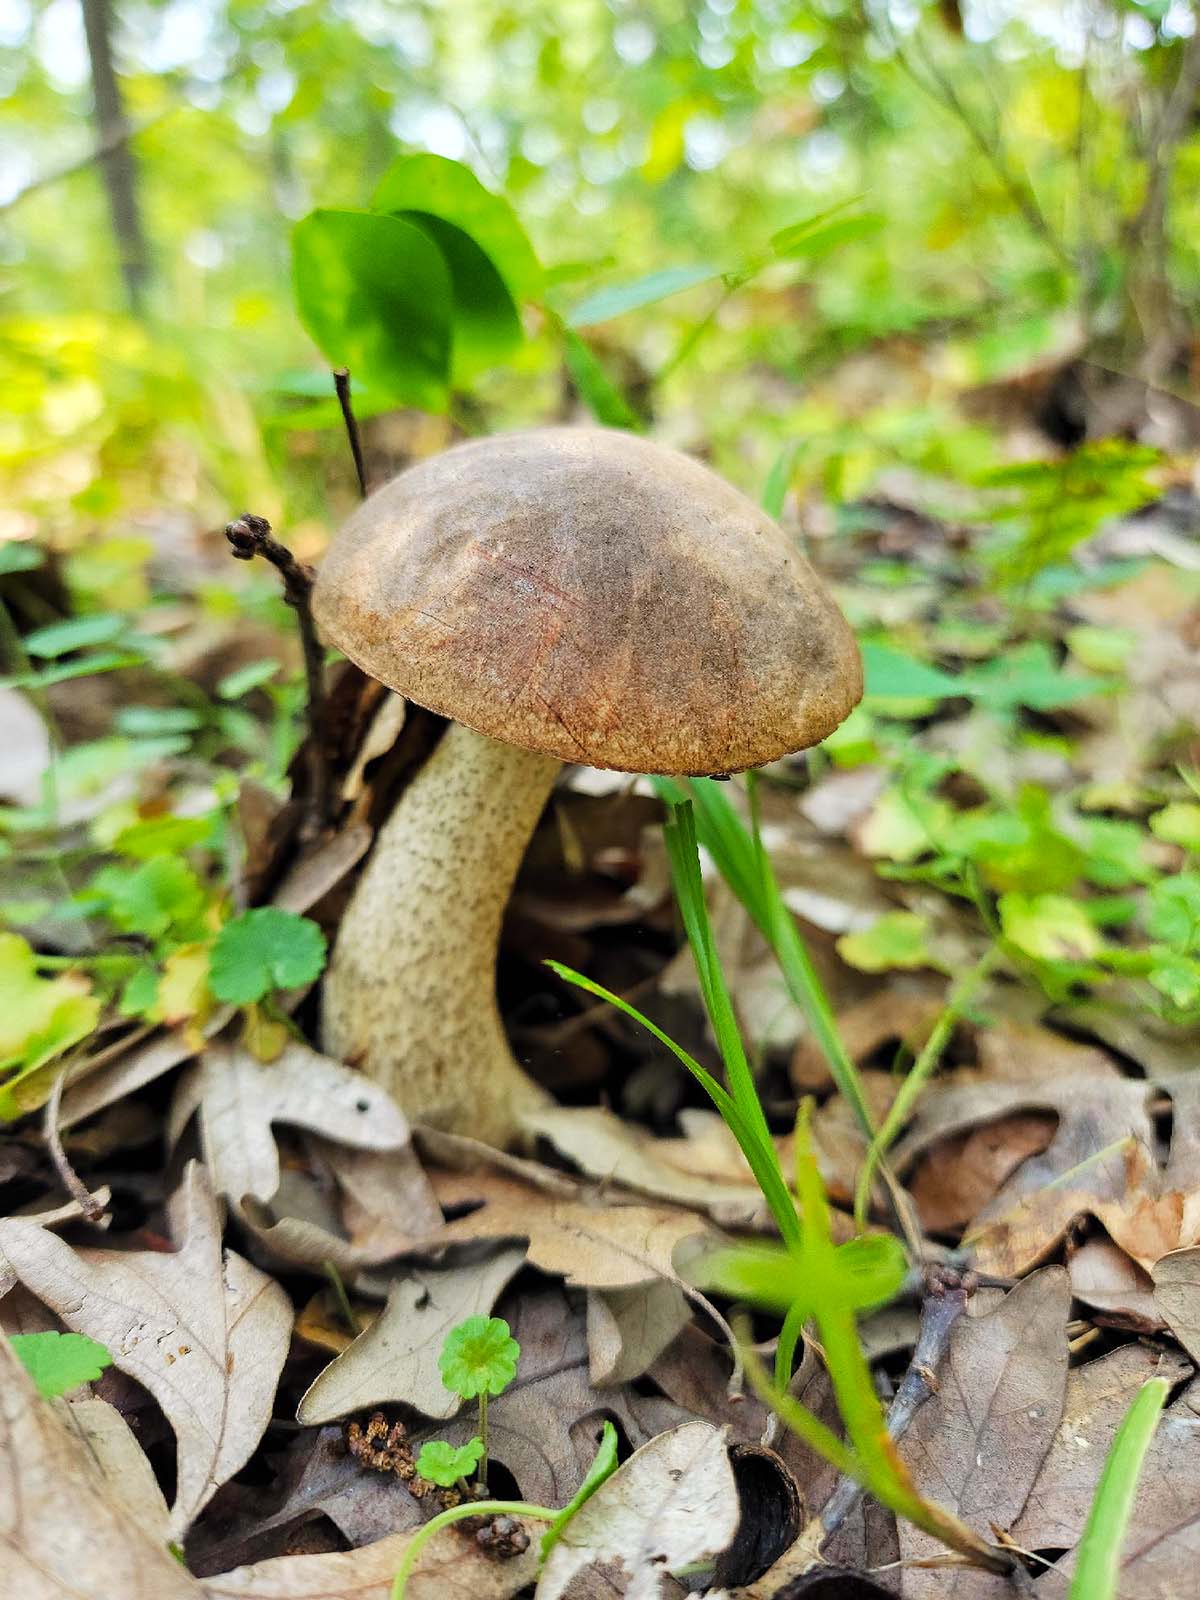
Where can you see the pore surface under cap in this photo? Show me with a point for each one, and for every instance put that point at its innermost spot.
(595, 596)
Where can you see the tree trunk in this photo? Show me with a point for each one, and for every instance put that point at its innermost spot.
(115, 155)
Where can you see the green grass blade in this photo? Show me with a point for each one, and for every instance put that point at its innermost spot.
(1098, 1568)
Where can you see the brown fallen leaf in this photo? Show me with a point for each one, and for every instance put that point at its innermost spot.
(898, 1012)
(628, 1329)
(977, 1444)
(200, 1328)
(1105, 1278)
(572, 1235)
(61, 1524)
(239, 1099)
(961, 1175)
(672, 1505)
(605, 1147)
(122, 1462)
(451, 1568)
(1097, 1396)
(396, 1359)
(1176, 1279)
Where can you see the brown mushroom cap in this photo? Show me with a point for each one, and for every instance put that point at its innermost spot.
(593, 596)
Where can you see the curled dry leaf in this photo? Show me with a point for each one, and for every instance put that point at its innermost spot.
(200, 1328)
(977, 1445)
(605, 1147)
(673, 1504)
(1101, 1162)
(1176, 1279)
(628, 1329)
(239, 1099)
(1105, 1278)
(396, 1359)
(451, 1568)
(60, 1518)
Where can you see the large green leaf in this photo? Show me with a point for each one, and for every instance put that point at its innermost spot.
(374, 293)
(491, 262)
(618, 298)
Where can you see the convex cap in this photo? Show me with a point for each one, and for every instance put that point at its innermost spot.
(594, 596)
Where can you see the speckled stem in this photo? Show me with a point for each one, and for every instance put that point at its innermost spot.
(410, 994)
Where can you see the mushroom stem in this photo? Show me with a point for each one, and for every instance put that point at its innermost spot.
(410, 994)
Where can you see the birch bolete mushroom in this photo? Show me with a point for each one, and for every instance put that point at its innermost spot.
(566, 594)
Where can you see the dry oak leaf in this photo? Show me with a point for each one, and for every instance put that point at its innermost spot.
(451, 1568)
(200, 1328)
(239, 1098)
(1101, 1162)
(1097, 1396)
(396, 1358)
(628, 1329)
(64, 1533)
(977, 1445)
(1112, 1283)
(1176, 1279)
(673, 1504)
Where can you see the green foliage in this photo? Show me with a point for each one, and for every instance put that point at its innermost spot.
(161, 897)
(1098, 1558)
(39, 1020)
(445, 1464)
(263, 950)
(375, 294)
(479, 1357)
(59, 1362)
(604, 1464)
(898, 939)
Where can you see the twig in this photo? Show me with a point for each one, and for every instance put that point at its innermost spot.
(250, 536)
(341, 382)
(90, 1207)
(945, 1301)
(337, 1284)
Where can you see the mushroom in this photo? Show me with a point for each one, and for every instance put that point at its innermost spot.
(561, 595)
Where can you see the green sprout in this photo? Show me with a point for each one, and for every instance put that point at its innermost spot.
(1098, 1568)
(447, 1464)
(478, 1360)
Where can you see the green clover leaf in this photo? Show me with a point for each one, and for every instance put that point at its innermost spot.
(59, 1362)
(479, 1357)
(262, 950)
(445, 1464)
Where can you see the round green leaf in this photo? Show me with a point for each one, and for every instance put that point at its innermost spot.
(479, 1357)
(445, 1464)
(374, 294)
(262, 950)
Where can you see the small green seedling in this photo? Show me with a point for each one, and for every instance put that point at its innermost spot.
(478, 1360)
(448, 1464)
(60, 1362)
(263, 950)
(604, 1464)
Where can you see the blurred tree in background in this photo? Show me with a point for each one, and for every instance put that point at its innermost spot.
(1022, 178)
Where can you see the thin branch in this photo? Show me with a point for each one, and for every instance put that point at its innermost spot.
(89, 1205)
(250, 536)
(945, 1301)
(341, 382)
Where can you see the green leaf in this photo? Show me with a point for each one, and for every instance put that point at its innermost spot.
(163, 895)
(141, 722)
(891, 675)
(597, 390)
(895, 940)
(1098, 1560)
(1049, 927)
(156, 836)
(445, 1464)
(604, 1464)
(871, 1268)
(1178, 823)
(263, 950)
(77, 633)
(374, 294)
(445, 189)
(60, 1362)
(479, 1357)
(491, 263)
(19, 555)
(1178, 977)
(252, 676)
(1174, 915)
(618, 298)
(778, 479)
(39, 1019)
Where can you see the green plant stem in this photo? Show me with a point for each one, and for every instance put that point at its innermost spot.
(483, 1436)
(919, 1074)
(1098, 1569)
(445, 1519)
(342, 1298)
